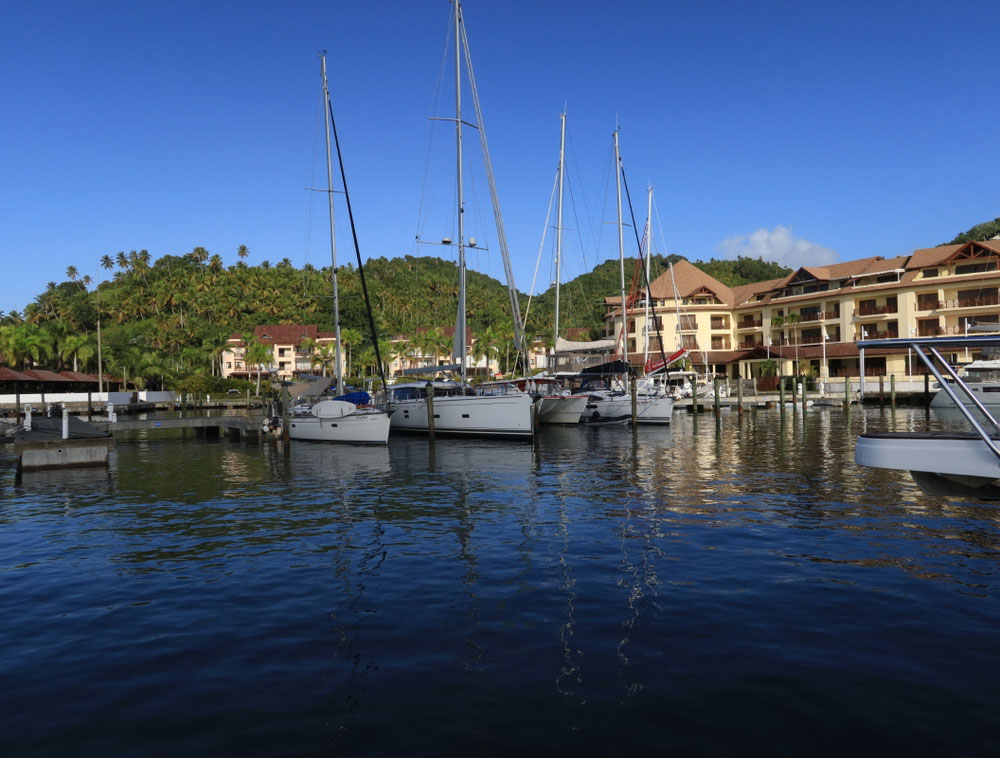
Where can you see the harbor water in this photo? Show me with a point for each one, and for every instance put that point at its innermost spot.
(731, 586)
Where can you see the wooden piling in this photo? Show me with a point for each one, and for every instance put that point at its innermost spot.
(635, 402)
(718, 405)
(739, 397)
(430, 409)
(892, 390)
(881, 391)
(781, 393)
(286, 415)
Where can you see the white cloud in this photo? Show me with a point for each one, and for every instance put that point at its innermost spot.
(778, 245)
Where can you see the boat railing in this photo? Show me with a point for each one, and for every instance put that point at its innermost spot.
(927, 350)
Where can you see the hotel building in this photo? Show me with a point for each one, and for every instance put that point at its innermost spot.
(812, 319)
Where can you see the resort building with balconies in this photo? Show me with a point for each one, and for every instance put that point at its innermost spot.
(293, 350)
(811, 320)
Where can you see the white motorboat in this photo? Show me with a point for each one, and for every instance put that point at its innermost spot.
(459, 412)
(337, 420)
(941, 462)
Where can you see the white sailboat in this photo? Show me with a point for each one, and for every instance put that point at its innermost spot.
(338, 420)
(651, 406)
(457, 409)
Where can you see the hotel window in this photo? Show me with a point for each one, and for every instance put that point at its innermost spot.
(929, 272)
(975, 268)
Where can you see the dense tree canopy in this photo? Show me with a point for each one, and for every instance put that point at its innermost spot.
(980, 232)
(167, 319)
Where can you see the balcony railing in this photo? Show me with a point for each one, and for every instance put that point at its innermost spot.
(719, 324)
(970, 302)
(820, 315)
(749, 324)
(750, 344)
(877, 310)
(929, 305)
(888, 335)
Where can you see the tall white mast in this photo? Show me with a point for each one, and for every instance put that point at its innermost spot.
(621, 252)
(459, 346)
(559, 225)
(333, 239)
(649, 250)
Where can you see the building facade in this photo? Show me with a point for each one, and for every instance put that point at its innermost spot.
(293, 350)
(811, 320)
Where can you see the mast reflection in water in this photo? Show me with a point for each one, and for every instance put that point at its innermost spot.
(728, 586)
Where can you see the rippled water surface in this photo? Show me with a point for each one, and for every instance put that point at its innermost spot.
(723, 588)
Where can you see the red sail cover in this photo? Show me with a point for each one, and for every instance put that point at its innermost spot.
(652, 366)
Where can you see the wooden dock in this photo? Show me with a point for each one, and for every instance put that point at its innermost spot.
(234, 426)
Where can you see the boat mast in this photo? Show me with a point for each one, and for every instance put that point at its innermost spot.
(459, 346)
(621, 253)
(559, 225)
(649, 250)
(333, 239)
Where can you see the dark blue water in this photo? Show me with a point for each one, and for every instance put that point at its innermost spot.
(735, 588)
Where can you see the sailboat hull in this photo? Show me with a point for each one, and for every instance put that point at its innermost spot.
(360, 428)
(466, 415)
(654, 410)
(561, 409)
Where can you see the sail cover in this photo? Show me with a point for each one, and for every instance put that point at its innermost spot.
(597, 346)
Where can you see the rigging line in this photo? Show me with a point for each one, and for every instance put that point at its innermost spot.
(520, 343)
(429, 132)
(308, 209)
(541, 249)
(649, 291)
(357, 251)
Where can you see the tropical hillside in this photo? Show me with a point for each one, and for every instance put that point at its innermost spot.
(166, 322)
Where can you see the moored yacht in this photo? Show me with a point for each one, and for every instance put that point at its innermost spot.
(458, 411)
(941, 462)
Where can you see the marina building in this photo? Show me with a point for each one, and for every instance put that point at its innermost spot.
(291, 351)
(810, 321)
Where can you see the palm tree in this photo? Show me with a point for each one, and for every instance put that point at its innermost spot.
(76, 348)
(348, 338)
(199, 254)
(242, 251)
(107, 262)
(325, 356)
(214, 346)
(71, 273)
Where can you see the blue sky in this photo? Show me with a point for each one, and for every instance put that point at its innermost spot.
(799, 132)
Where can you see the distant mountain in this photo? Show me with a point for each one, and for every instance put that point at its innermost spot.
(980, 232)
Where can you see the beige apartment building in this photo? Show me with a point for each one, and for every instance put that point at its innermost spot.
(812, 319)
(295, 349)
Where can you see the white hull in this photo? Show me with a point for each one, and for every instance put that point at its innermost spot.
(468, 415)
(987, 393)
(361, 428)
(561, 409)
(940, 462)
(654, 410)
(648, 410)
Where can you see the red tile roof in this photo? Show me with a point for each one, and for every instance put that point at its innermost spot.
(10, 375)
(41, 375)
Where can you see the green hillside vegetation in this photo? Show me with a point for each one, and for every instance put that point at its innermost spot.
(979, 233)
(166, 321)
